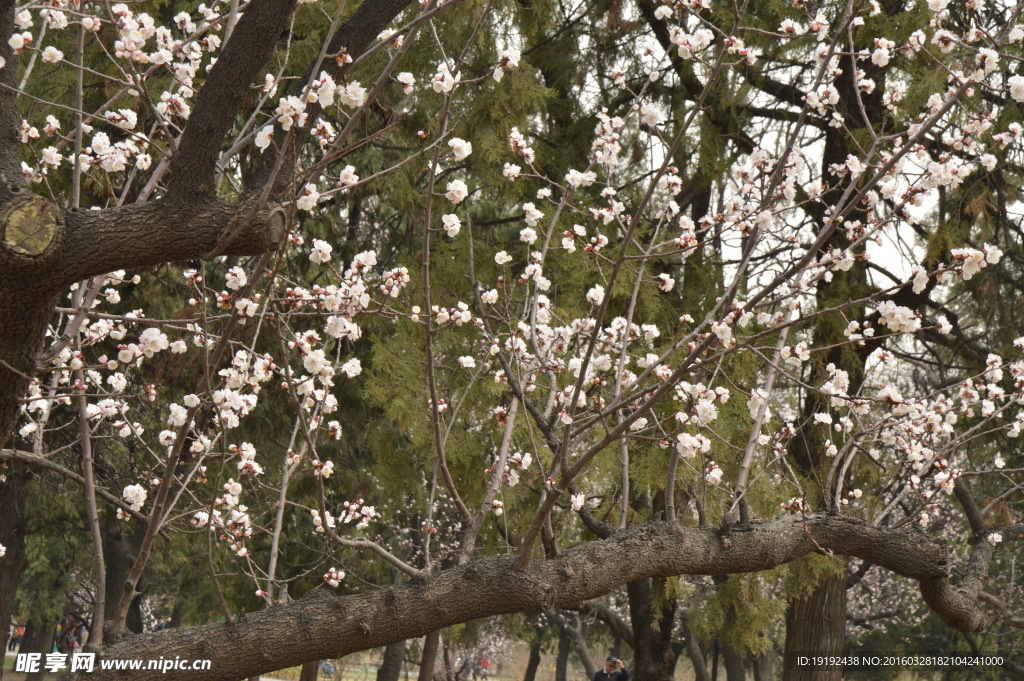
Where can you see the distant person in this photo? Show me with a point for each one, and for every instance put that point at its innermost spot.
(161, 624)
(16, 638)
(613, 670)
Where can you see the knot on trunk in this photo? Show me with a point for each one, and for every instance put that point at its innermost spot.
(30, 226)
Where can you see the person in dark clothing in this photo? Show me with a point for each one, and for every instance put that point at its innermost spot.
(613, 670)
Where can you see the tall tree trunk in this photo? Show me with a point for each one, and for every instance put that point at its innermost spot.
(562, 661)
(653, 657)
(38, 639)
(12, 537)
(581, 650)
(579, 639)
(429, 656)
(449, 673)
(764, 666)
(391, 667)
(616, 650)
(700, 668)
(310, 671)
(120, 549)
(176, 613)
(734, 669)
(816, 626)
(534, 663)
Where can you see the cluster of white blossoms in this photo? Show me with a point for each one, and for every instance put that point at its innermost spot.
(973, 260)
(537, 334)
(135, 495)
(333, 577)
(357, 512)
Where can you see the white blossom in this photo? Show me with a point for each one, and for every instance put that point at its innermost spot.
(460, 148)
(457, 191)
(320, 253)
(452, 224)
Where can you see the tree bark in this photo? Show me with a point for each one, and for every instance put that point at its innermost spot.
(429, 657)
(310, 671)
(578, 635)
(562, 659)
(448, 672)
(733, 660)
(653, 618)
(391, 667)
(38, 639)
(534, 662)
(700, 668)
(120, 552)
(816, 625)
(12, 565)
(764, 666)
(323, 625)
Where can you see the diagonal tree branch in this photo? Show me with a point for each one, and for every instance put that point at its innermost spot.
(252, 43)
(44, 463)
(323, 625)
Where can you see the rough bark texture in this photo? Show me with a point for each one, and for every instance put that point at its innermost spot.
(562, 658)
(429, 658)
(733, 660)
(391, 667)
(534, 662)
(12, 506)
(764, 666)
(653, 617)
(324, 625)
(700, 669)
(240, 62)
(38, 639)
(310, 671)
(816, 625)
(120, 548)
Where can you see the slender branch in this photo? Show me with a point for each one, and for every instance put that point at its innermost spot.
(40, 461)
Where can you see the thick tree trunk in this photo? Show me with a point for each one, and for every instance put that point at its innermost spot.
(38, 639)
(653, 617)
(120, 549)
(816, 626)
(176, 613)
(534, 662)
(429, 657)
(310, 671)
(764, 666)
(391, 667)
(12, 565)
(589, 667)
(579, 639)
(733, 660)
(700, 668)
(562, 659)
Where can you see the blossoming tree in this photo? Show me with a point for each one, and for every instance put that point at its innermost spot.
(718, 329)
